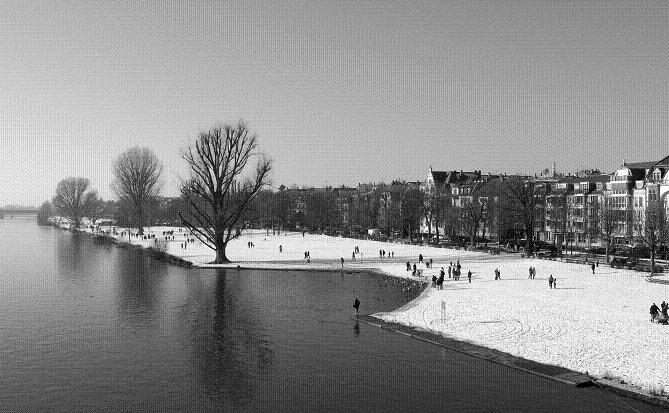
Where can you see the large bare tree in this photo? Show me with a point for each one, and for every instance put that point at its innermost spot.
(75, 199)
(216, 194)
(137, 180)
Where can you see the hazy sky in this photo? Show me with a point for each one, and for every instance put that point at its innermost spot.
(339, 92)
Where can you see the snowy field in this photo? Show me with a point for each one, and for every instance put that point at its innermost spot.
(598, 323)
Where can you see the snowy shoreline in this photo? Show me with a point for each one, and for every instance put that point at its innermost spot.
(596, 324)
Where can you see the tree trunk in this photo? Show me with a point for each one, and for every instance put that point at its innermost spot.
(140, 226)
(607, 252)
(652, 259)
(221, 258)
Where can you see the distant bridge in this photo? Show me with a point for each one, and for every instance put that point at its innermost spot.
(17, 213)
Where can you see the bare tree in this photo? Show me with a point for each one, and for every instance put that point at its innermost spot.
(651, 228)
(525, 197)
(44, 213)
(75, 199)
(217, 196)
(412, 204)
(604, 224)
(474, 214)
(137, 180)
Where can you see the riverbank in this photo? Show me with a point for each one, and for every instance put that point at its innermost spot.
(595, 324)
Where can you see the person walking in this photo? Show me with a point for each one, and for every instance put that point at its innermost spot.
(420, 258)
(469, 275)
(530, 277)
(408, 266)
(342, 262)
(654, 311)
(356, 305)
(550, 281)
(440, 280)
(434, 281)
(353, 256)
(593, 267)
(450, 268)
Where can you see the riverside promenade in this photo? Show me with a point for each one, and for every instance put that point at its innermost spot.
(594, 324)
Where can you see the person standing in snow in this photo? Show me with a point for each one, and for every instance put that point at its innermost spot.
(550, 281)
(469, 275)
(593, 267)
(530, 277)
(356, 305)
(654, 311)
(440, 280)
(434, 281)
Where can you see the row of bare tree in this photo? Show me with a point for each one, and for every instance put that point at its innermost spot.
(215, 198)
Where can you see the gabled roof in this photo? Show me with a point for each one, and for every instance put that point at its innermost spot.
(439, 177)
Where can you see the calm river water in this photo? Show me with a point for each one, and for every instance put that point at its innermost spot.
(90, 327)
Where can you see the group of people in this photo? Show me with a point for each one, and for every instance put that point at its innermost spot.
(498, 274)
(250, 244)
(655, 313)
(455, 271)
(307, 256)
(382, 253)
(552, 281)
(184, 245)
(533, 273)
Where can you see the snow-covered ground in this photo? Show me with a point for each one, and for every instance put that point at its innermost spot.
(596, 323)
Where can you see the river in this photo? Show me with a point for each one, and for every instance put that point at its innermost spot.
(92, 327)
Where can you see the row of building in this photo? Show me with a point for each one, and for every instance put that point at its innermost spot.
(567, 212)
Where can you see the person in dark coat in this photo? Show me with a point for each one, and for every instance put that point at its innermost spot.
(356, 305)
(434, 281)
(550, 281)
(408, 266)
(654, 311)
(440, 280)
(593, 267)
(420, 257)
(469, 275)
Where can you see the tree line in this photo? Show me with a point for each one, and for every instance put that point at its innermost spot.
(226, 193)
(215, 199)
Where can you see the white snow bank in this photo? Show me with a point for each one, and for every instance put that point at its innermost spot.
(596, 323)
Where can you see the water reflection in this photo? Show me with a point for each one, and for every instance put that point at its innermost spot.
(140, 282)
(69, 255)
(231, 351)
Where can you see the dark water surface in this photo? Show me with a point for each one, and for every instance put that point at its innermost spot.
(89, 327)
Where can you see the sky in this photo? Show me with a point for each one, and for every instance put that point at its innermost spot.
(338, 92)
